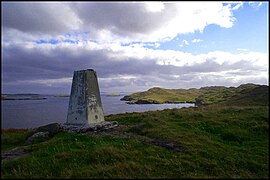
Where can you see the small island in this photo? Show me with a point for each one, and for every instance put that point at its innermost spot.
(113, 94)
(61, 95)
(22, 97)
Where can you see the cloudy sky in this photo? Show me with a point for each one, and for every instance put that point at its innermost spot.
(133, 46)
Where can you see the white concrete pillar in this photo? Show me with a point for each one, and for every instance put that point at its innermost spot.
(85, 105)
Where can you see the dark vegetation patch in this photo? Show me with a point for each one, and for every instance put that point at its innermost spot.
(167, 144)
(14, 153)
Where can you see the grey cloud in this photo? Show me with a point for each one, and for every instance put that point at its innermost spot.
(39, 18)
(36, 88)
(22, 64)
(123, 18)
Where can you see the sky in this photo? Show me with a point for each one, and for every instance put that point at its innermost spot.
(133, 46)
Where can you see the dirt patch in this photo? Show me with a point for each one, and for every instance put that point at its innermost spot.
(166, 144)
(13, 153)
(118, 131)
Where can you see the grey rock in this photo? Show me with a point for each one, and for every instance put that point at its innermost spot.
(37, 135)
(44, 131)
(89, 127)
(52, 128)
(126, 98)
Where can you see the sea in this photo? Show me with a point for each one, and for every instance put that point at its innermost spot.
(34, 113)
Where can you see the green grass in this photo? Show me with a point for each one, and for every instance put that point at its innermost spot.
(217, 141)
(209, 95)
(61, 95)
(162, 95)
(113, 94)
(11, 138)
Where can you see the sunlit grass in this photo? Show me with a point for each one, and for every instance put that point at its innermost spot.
(245, 94)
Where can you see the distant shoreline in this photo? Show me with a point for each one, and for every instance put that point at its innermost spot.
(24, 98)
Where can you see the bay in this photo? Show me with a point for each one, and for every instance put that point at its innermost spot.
(35, 113)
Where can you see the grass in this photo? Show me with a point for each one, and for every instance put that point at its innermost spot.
(208, 95)
(61, 95)
(162, 95)
(217, 141)
(113, 94)
(11, 138)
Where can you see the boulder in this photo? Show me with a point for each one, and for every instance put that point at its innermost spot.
(37, 135)
(52, 128)
(44, 131)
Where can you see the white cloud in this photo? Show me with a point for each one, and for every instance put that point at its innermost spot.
(184, 43)
(122, 22)
(237, 6)
(255, 4)
(154, 6)
(241, 49)
(196, 40)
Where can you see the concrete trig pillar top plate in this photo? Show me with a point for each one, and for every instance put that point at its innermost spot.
(85, 106)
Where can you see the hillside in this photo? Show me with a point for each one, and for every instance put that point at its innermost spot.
(204, 142)
(250, 96)
(161, 95)
(204, 95)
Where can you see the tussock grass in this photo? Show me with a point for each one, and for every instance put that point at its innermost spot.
(11, 138)
(218, 142)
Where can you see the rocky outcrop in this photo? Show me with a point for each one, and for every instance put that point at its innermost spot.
(89, 127)
(54, 128)
(44, 131)
(36, 135)
(200, 103)
(126, 98)
(143, 102)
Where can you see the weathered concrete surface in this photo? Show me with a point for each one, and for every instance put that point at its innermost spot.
(101, 126)
(85, 105)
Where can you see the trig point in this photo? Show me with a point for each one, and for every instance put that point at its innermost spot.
(85, 105)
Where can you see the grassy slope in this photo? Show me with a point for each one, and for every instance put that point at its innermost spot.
(250, 96)
(162, 95)
(208, 95)
(218, 142)
(229, 139)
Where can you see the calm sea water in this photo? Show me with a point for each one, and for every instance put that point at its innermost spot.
(35, 113)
